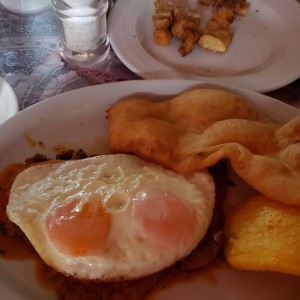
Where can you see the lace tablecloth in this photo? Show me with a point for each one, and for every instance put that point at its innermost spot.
(31, 65)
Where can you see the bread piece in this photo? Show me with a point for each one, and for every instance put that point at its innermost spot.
(199, 127)
(263, 235)
(217, 36)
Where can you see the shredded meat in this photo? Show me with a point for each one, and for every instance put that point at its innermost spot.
(71, 154)
(37, 158)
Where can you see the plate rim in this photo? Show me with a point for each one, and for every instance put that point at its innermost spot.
(12, 104)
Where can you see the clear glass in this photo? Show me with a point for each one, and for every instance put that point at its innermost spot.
(83, 30)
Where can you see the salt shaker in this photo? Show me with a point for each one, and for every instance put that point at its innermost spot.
(83, 30)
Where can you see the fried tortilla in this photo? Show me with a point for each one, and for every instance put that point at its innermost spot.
(198, 128)
(263, 235)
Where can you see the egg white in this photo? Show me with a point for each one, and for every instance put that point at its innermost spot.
(116, 179)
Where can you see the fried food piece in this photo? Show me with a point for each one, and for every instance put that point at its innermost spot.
(162, 19)
(207, 2)
(223, 16)
(263, 235)
(178, 21)
(242, 8)
(184, 24)
(163, 14)
(186, 28)
(162, 37)
(198, 128)
(239, 7)
(216, 35)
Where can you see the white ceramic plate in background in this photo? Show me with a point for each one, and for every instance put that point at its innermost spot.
(8, 101)
(26, 6)
(75, 120)
(263, 56)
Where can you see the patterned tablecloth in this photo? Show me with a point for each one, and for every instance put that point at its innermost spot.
(31, 65)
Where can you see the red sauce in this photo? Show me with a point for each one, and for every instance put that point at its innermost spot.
(206, 274)
(13, 243)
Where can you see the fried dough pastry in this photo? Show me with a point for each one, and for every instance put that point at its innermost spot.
(263, 235)
(198, 128)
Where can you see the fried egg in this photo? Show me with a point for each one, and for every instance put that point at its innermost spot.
(111, 217)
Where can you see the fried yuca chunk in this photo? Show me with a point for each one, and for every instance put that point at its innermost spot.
(186, 28)
(162, 19)
(263, 235)
(217, 35)
(198, 128)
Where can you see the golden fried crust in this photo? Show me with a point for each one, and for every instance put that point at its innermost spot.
(216, 35)
(163, 6)
(163, 14)
(216, 41)
(162, 37)
(263, 235)
(240, 7)
(162, 21)
(223, 16)
(178, 21)
(186, 28)
(198, 128)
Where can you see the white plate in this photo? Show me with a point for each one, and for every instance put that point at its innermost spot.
(77, 120)
(263, 56)
(8, 101)
(26, 6)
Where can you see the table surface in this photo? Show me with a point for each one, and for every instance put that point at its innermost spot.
(30, 62)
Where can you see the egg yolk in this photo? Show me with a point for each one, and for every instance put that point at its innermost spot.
(164, 217)
(80, 227)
